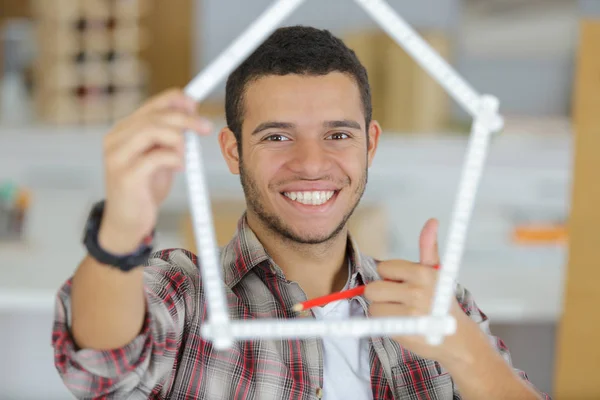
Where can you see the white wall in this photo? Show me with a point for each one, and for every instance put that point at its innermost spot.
(589, 7)
(27, 359)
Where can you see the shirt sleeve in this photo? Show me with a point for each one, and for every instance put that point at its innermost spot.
(468, 305)
(135, 370)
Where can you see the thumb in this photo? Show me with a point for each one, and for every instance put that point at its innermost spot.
(428, 243)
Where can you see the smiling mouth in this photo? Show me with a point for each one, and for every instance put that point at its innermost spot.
(311, 198)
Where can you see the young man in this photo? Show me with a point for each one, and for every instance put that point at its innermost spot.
(300, 135)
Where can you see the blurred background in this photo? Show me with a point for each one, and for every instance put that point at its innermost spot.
(70, 68)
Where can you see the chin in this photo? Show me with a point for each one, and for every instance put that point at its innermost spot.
(312, 234)
(309, 238)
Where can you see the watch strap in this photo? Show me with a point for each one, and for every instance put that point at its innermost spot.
(124, 262)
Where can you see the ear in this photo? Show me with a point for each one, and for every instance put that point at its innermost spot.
(229, 149)
(374, 133)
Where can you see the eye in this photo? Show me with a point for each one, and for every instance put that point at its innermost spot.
(338, 136)
(276, 138)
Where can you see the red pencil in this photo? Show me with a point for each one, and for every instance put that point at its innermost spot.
(324, 300)
(321, 301)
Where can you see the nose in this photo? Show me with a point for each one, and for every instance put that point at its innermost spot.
(309, 158)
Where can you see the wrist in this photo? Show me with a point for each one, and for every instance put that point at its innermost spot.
(480, 372)
(465, 347)
(117, 241)
(110, 244)
(459, 360)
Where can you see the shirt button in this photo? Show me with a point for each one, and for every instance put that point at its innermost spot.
(319, 393)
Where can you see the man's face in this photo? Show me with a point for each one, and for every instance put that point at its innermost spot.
(304, 156)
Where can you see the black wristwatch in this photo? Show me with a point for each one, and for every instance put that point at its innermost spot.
(125, 262)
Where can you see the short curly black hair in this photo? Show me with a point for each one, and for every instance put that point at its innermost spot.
(294, 50)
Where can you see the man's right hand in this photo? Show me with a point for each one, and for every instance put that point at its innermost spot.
(141, 156)
(142, 153)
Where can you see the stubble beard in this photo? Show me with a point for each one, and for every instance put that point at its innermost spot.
(276, 225)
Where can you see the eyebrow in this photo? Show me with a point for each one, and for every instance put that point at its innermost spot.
(345, 123)
(273, 125)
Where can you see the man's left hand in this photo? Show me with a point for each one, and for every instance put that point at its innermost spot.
(407, 290)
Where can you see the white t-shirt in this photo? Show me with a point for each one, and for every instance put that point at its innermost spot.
(346, 369)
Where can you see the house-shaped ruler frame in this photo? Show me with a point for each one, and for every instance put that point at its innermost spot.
(220, 329)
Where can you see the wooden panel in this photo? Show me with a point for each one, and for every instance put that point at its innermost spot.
(367, 46)
(414, 101)
(14, 9)
(578, 348)
(170, 53)
(405, 97)
(91, 74)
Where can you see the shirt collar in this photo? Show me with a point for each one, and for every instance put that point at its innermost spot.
(244, 252)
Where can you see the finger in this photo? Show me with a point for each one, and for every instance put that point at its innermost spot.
(428, 243)
(119, 133)
(394, 292)
(175, 119)
(170, 99)
(156, 160)
(406, 271)
(185, 122)
(143, 141)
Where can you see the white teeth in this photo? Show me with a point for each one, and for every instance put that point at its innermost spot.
(312, 198)
(316, 198)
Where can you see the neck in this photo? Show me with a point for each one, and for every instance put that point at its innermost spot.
(319, 269)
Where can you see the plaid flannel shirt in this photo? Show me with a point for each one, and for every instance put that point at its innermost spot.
(169, 359)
